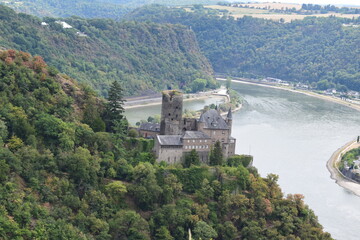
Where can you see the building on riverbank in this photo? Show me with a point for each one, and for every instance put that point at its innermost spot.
(178, 136)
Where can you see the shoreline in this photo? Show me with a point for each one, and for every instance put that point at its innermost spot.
(335, 174)
(187, 97)
(304, 92)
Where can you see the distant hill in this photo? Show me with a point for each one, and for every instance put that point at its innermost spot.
(113, 9)
(313, 50)
(143, 56)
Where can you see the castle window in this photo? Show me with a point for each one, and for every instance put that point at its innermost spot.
(200, 140)
(223, 132)
(193, 140)
(188, 141)
(205, 140)
(214, 132)
(168, 159)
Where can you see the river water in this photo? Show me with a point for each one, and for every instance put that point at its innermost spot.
(293, 136)
(134, 115)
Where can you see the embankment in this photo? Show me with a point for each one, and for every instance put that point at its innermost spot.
(339, 178)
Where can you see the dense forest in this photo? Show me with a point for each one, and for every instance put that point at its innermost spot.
(310, 50)
(144, 56)
(114, 9)
(70, 169)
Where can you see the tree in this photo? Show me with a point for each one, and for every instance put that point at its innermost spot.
(228, 83)
(191, 158)
(216, 156)
(198, 85)
(114, 107)
(163, 234)
(3, 131)
(127, 224)
(203, 231)
(116, 190)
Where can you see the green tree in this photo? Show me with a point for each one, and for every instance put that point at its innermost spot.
(163, 234)
(198, 85)
(116, 190)
(216, 155)
(3, 131)
(191, 158)
(114, 107)
(204, 231)
(228, 83)
(128, 224)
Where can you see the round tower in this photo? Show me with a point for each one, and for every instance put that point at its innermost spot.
(171, 112)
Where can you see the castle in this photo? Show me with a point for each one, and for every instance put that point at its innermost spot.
(177, 136)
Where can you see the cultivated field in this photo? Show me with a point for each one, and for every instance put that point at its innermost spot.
(239, 12)
(280, 6)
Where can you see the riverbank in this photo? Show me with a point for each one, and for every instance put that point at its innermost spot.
(151, 101)
(305, 92)
(339, 178)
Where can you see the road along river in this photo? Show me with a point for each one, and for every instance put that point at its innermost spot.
(294, 135)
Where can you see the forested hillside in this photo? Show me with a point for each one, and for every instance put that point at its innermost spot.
(114, 9)
(309, 50)
(63, 179)
(143, 56)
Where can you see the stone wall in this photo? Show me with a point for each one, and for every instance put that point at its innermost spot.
(171, 113)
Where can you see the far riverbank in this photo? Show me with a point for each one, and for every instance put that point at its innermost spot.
(151, 101)
(305, 92)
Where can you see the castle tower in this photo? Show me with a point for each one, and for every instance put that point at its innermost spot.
(171, 112)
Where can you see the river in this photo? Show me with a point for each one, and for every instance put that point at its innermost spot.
(293, 136)
(133, 116)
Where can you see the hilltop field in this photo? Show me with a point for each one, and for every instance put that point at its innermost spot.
(272, 11)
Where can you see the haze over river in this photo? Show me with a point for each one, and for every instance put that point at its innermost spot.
(293, 136)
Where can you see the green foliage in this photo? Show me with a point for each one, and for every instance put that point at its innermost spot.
(237, 160)
(191, 158)
(309, 50)
(349, 158)
(114, 107)
(191, 178)
(128, 224)
(141, 56)
(59, 179)
(88, 9)
(216, 156)
(203, 231)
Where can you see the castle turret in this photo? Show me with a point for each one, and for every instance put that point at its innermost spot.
(171, 112)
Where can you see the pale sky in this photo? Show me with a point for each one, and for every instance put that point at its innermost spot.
(322, 2)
